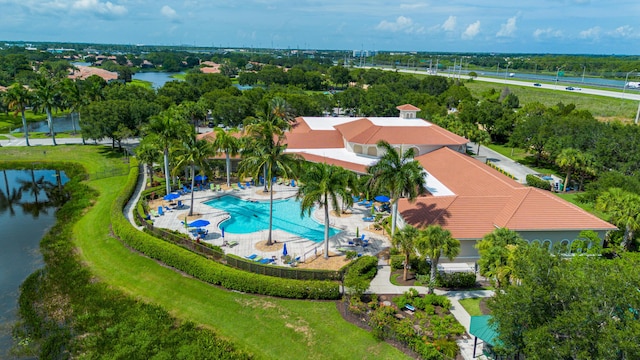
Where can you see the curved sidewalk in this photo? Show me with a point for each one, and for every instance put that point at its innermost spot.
(381, 284)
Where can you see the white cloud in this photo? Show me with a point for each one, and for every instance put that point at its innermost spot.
(167, 11)
(472, 30)
(623, 31)
(592, 33)
(508, 29)
(450, 23)
(100, 8)
(402, 23)
(547, 33)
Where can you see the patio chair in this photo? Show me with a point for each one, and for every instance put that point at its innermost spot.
(252, 256)
(180, 205)
(293, 183)
(235, 187)
(154, 213)
(185, 189)
(368, 218)
(257, 258)
(232, 243)
(363, 202)
(240, 186)
(248, 184)
(160, 210)
(212, 187)
(280, 181)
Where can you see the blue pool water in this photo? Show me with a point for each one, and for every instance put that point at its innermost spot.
(248, 217)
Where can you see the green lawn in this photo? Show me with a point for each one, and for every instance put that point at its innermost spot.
(41, 135)
(179, 76)
(600, 106)
(258, 324)
(472, 305)
(145, 84)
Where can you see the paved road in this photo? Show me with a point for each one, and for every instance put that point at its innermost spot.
(514, 168)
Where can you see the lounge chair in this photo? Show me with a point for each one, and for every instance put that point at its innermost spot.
(363, 202)
(232, 243)
(280, 181)
(218, 187)
(266, 261)
(409, 307)
(252, 256)
(235, 187)
(185, 189)
(154, 213)
(247, 184)
(293, 183)
(240, 186)
(257, 258)
(368, 218)
(160, 210)
(212, 187)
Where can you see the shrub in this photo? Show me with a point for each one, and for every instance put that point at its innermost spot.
(359, 274)
(420, 265)
(536, 182)
(351, 254)
(456, 280)
(397, 262)
(210, 271)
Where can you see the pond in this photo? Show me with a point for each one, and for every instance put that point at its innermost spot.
(28, 199)
(156, 78)
(60, 124)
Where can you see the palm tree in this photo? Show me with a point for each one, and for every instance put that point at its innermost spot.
(9, 198)
(47, 98)
(194, 153)
(264, 150)
(325, 185)
(166, 128)
(148, 153)
(623, 208)
(74, 99)
(399, 176)
(569, 160)
(434, 242)
(18, 98)
(497, 251)
(34, 188)
(228, 144)
(405, 241)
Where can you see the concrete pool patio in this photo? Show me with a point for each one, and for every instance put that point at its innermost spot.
(247, 244)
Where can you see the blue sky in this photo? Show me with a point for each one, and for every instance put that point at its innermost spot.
(523, 26)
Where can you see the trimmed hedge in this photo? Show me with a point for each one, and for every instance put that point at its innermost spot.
(456, 280)
(397, 262)
(537, 182)
(206, 270)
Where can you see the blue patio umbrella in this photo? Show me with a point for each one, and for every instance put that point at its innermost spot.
(201, 178)
(284, 250)
(199, 223)
(222, 230)
(171, 196)
(382, 198)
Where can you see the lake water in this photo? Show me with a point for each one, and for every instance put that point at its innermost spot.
(157, 79)
(26, 212)
(60, 124)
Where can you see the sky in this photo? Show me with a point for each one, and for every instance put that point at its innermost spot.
(503, 26)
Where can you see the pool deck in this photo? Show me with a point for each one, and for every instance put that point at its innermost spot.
(296, 245)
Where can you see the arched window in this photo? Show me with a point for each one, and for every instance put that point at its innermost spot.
(416, 151)
(546, 244)
(357, 148)
(373, 151)
(536, 242)
(564, 246)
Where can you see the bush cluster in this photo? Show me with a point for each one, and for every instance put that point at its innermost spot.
(536, 182)
(397, 262)
(456, 280)
(210, 271)
(500, 170)
(359, 275)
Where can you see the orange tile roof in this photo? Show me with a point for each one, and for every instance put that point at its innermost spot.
(362, 169)
(486, 199)
(407, 107)
(363, 131)
(84, 72)
(319, 139)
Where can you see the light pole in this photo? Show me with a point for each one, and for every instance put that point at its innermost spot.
(557, 75)
(506, 72)
(624, 88)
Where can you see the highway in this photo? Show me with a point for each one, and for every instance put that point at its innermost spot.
(508, 81)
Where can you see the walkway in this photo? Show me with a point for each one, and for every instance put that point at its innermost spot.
(381, 284)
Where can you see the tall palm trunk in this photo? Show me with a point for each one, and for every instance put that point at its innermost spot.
(326, 227)
(265, 180)
(24, 127)
(73, 123)
(269, 241)
(228, 169)
(193, 183)
(394, 214)
(50, 121)
(566, 180)
(434, 269)
(166, 169)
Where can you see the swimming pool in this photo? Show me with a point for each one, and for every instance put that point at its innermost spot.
(248, 217)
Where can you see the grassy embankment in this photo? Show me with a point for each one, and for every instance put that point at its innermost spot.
(472, 305)
(266, 327)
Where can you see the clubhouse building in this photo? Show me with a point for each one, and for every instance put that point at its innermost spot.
(466, 196)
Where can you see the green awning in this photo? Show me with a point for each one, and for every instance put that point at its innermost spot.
(481, 329)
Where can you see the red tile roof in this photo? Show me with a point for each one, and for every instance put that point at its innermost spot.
(363, 131)
(319, 139)
(321, 159)
(407, 107)
(84, 72)
(485, 199)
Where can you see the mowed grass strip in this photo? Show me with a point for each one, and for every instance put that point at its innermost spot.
(267, 327)
(472, 305)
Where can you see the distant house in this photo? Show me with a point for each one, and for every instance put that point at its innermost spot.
(209, 67)
(146, 64)
(83, 72)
